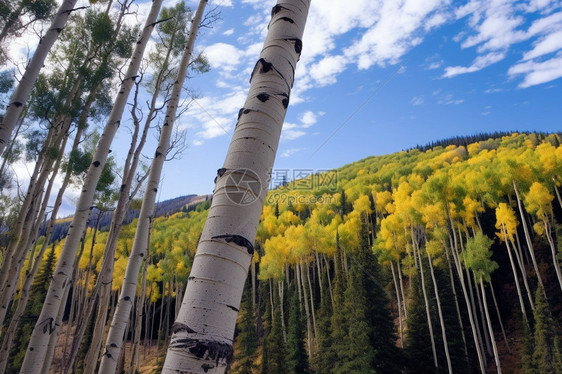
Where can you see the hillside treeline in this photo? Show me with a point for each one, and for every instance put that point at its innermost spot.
(446, 260)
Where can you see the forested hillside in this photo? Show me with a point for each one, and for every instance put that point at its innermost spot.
(418, 261)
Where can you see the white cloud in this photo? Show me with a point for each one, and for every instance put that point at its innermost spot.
(228, 32)
(215, 127)
(449, 100)
(397, 30)
(435, 65)
(223, 56)
(538, 72)
(498, 25)
(289, 152)
(549, 44)
(417, 100)
(309, 118)
(290, 132)
(479, 63)
(325, 71)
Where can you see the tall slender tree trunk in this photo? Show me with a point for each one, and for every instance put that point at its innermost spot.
(515, 276)
(46, 323)
(458, 266)
(490, 329)
(124, 305)
(553, 251)
(398, 297)
(23, 90)
(426, 302)
(440, 312)
(204, 330)
(499, 317)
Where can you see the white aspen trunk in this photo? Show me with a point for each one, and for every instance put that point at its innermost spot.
(458, 266)
(46, 326)
(314, 329)
(553, 251)
(455, 297)
(328, 276)
(306, 308)
(491, 331)
(29, 275)
(104, 280)
(319, 267)
(557, 192)
(443, 331)
(398, 297)
(122, 313)
(133, 368)
(45, 366)
(523, 274)
(499, 317)
(426, 302)
(204, 330)
(280, 289)
(401, 282)
(514, 270)
(23, 90)
(485, 335)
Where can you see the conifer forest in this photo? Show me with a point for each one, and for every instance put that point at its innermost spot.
(441, 258)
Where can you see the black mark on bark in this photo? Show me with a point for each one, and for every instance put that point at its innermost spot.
(96, 163)
(179, 327)
(263, 97)
(233, 308)
(208, 350)
(276, 9)
(238, 240)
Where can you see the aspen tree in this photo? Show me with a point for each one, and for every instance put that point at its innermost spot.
(46, 325)
(204, 329)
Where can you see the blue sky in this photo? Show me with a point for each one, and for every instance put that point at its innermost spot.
(375, 77)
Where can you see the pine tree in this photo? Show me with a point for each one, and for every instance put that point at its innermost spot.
(417, 351)
(32, 311)
(246, 338)
(387, 356)
(358, 357)
(297, 357)
(527, 348)
(275, 344)
(544, 354)
(324, 360)
(339, 322)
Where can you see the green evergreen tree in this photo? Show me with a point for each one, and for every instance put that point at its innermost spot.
(274, 352)
(32, 311)
(544, 354)
(339, 322)
(246, 337)
(297, 357)
(324, 360)
(526, 349)
(359, 355)
(387, 356)
(416, 348)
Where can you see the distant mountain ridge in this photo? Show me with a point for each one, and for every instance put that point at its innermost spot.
(163, 208)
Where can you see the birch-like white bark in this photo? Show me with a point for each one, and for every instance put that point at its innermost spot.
(120, 319)
(204, 329)
(46, 325)
(490, 329)
(23, 90)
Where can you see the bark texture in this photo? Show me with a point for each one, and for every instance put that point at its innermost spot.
(203, 332)
(120, 319)
(23, 90)
(37, 348)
